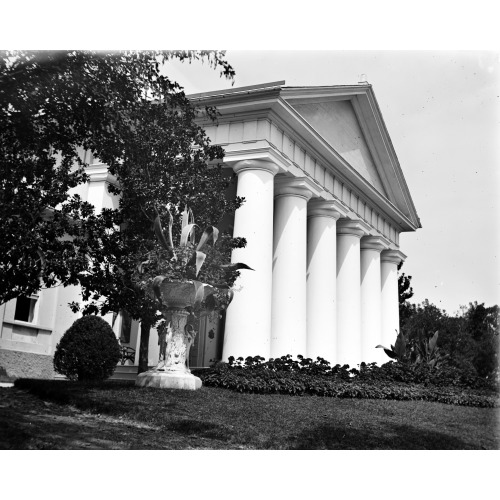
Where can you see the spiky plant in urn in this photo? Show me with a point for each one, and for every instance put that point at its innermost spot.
(194, 278)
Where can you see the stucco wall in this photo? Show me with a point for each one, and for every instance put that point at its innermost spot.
(26, 364)
(337, 124)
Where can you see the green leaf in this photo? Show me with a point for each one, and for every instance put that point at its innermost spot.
(200, 259)
(433, 341)
(234, 267)
(185, 217)
(140, 266)
(160, 235)
(389, 352)
(400, 346)
(210, 232)
(170, 224)
(230, 294)
(187, 234)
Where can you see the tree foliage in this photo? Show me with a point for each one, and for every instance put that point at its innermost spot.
(405, 292)
(470, 339)
(54, 106)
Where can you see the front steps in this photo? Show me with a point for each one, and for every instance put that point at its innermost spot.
(124, 373)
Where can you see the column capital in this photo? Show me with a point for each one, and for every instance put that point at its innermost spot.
(354, 227)
(323, 208)
(267, 166)
(98, 172)
(394, 256)
(374, 243)
(294, 186)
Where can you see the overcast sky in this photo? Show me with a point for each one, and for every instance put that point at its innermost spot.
(442, 110)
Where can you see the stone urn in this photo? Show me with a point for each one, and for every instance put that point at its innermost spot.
(172, 371)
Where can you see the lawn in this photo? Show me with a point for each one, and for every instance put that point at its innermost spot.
(117, 415)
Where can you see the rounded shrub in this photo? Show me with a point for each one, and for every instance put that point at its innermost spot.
(88, 350)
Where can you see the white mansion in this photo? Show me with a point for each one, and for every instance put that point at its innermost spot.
(325, 202)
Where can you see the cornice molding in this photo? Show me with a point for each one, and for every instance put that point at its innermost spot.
(238, 91)
(98, 172)
(393, 256)
(374, 243)
(260, 150)
(352, 227)
(391, 152)
(320, 93)
(320, 207)
(323, 208)
(302, 187)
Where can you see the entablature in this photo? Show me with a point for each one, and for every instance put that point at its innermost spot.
(349, 205)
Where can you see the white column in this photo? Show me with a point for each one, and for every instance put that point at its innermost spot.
(289, 267)
(322, 280)
(248, 320)
(371, 315)
(349, 233)
(390, 260)
(97, 193)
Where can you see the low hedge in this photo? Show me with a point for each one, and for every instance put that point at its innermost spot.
(389, 381)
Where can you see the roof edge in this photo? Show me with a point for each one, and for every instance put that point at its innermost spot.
(237, 90)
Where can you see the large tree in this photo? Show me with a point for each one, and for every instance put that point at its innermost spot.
(168, 164)
(482, 326)
(53, 107)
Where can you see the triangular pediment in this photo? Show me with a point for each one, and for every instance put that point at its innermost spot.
(340, 126)
(336, 122)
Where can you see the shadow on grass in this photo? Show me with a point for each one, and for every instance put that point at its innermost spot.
(27, 422)
(76, 394)
(190, 427)
(392, 436)
(212, 418)
(30, 422)
(39, 433)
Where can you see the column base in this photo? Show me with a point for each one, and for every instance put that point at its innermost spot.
(168, 380)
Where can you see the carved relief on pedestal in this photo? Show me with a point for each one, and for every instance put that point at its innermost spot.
(175, 340)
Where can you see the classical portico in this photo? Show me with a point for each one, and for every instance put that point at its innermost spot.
(325, 202)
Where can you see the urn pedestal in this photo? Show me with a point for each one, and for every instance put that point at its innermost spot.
(172, 372)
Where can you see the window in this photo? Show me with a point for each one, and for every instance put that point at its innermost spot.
(26, 308)
(126, 327)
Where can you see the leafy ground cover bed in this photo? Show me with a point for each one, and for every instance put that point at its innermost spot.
(391, 381)
(117, 415)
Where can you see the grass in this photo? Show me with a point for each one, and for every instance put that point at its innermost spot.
(117, 415)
